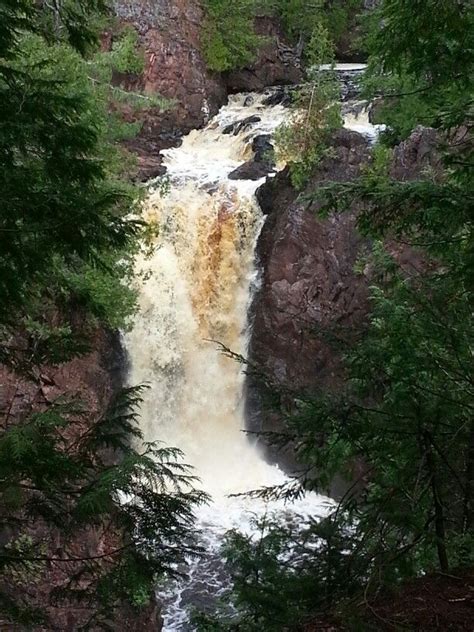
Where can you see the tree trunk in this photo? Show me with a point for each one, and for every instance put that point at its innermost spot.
(469, 495)
(438, 508)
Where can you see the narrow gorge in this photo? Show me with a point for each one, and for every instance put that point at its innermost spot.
(200, 278)
(236, 378)
(197, 289)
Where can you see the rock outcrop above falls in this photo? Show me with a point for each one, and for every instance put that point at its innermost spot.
(277, 62)
(262, 163)
(170, 37)
(308, 277)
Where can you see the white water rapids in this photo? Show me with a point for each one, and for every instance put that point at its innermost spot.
(196, 288)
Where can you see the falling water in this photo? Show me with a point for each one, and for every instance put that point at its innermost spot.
(196, 289)
(196, 292)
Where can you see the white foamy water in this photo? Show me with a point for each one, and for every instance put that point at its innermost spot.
(357, 118)
(344, 67)
(196, 288)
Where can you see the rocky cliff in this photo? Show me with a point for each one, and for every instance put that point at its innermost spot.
(310, 289)
(277, 61)
(92, 380)
(174, 68)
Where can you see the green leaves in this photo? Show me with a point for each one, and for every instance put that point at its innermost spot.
(91, 514)
(66, 235)
(229, 40)
(422, 64)
(73, 476)
(50, 119)
(303, 141)
(400, 426)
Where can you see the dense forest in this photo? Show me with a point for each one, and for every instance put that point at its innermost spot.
(67, 238)
(101, 516)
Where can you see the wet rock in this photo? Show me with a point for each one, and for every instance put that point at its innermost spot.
(262, 163)
(279, 96)
(147, 151)
(310, 293)
(169, 33)
(375, 111)
(249, 100)
(263, 149)
(250, 170)
(241, 126)
(350, 81)
(149, 168)
(355, 109)
(308, 286)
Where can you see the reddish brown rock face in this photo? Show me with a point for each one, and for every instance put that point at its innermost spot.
(311, 292)
(169, 35)
(174, 66)
(277, 63)
(93, 380)
(309, 281)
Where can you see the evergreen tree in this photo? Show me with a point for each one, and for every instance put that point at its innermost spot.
(229, 39)
(89, 511)
(82, 505)
(405, 410)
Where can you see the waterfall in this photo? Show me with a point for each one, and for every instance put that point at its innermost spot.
(196, 286)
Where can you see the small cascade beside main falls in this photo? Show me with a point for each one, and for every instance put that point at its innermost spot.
(196, 288)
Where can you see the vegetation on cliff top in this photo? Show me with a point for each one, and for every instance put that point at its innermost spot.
(303, 140)
(230, 40)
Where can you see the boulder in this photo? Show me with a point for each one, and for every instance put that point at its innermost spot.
(263, 149)
(282, 95)
(250, 170)
(241, 126)
(262, 163)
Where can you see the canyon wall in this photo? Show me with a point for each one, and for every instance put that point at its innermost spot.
(169, 38)
(92, 380)
(308, 277)
(169, 35)
(313, 301)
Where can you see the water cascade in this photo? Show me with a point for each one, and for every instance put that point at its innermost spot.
(196, 289)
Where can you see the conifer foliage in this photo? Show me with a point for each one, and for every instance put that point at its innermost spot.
(90, 514)
(404, 413)
(83, 505)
